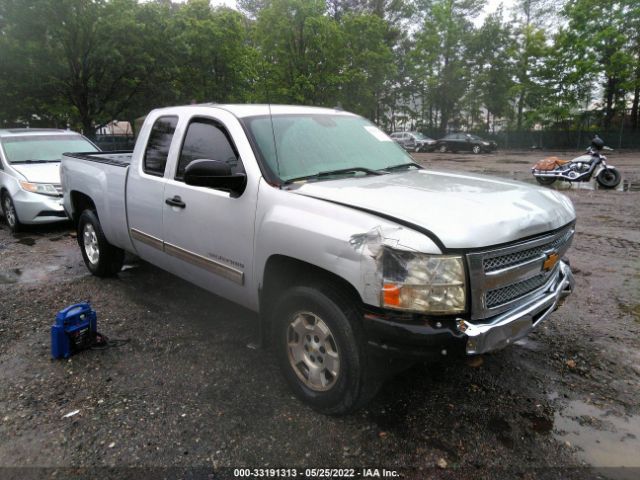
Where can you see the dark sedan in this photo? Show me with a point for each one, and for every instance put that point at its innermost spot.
(414, 141)
(464, 142)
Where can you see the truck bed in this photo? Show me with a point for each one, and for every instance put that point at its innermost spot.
(102, 177)
(119, 158)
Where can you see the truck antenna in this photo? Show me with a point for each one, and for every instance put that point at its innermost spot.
(273, 131)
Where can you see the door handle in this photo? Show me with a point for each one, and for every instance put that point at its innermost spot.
(175, 202)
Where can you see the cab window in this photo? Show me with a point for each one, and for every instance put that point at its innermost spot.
(155, 156)
(207, 140)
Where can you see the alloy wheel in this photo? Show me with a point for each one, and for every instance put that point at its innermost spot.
(313, 352)
(90, 242)
(9, 211)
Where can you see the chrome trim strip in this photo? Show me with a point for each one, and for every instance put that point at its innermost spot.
(514, 274)
(511, 326)
(552, 277)
(146, 239)
(213, 266)
(230, 273)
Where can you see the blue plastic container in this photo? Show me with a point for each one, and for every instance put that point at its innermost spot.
(75, 330)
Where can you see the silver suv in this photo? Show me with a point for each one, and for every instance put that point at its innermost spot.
(30, 191)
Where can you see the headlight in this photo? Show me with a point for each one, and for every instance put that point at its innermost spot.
(423, 283)
(486, 144)
(42, 188)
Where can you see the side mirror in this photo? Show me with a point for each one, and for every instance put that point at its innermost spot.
(214, 174)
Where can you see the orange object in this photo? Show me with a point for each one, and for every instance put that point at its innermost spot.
(550, 262)
(391, 294)
(549, 163)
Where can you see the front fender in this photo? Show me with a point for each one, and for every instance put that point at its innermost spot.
(336, 238)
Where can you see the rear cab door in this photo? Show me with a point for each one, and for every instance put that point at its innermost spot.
(145, 185)
(208, 238)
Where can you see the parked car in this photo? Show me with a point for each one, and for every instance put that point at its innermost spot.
(414, 141)
(30, 191)
(351, 252)
(464, 142)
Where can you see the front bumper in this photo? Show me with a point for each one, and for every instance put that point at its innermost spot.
(34, 208)
(419, 336)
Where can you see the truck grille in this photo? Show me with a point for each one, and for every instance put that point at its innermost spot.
(506, 276)
(496, 263)
(506, 294)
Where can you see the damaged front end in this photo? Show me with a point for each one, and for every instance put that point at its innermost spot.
(423, 303)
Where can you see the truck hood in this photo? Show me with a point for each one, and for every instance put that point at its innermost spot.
(462, 210)
(39, 172)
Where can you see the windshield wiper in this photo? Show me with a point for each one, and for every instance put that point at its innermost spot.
(402, 166)
(330, 173)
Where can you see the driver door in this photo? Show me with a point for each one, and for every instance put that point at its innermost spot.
(208, 233)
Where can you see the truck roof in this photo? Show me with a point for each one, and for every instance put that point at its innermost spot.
(251, 110)
(19, 132)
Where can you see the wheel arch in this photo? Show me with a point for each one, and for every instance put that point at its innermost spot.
(282, 272)
(79, 203)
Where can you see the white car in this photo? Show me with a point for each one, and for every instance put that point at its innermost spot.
(30, 191)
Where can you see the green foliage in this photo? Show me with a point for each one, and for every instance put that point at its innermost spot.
(402, 63)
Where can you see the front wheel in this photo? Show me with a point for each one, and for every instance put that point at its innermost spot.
(10, 214)
(476, 149)
(546, 181)
(608, 178)
(101, 258)
(442, 149)
(319, 346)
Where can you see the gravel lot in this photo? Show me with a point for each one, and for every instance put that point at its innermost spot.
(181, 388)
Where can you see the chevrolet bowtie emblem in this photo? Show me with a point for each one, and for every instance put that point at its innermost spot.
(550, 261)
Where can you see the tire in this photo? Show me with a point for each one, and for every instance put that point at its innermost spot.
(320, 349)
(476, 149)
(10, 214)
(442, 149)
(546, 181)
(608, 178)
(101, 258)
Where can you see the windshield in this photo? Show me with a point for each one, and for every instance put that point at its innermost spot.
(43, 148)
(310, 144)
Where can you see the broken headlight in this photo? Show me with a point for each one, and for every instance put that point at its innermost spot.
(418, 282)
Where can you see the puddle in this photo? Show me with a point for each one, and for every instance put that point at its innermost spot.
(30, 242)
(27, 275)
(604, 440)
(510, 161)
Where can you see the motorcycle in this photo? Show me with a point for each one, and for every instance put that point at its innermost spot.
(580, 169)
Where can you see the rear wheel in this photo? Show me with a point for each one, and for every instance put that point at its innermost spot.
(608, 178)
(10, 214)
(320, 349)
(442, 149)
(546, 181)
(101, 258)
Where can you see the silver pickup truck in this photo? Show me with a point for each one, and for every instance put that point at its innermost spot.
(351, 252)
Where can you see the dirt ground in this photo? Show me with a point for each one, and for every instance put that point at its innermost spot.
(181, 394)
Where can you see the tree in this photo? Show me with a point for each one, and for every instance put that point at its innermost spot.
(368, 64)
(491, 68)
(213, 61)
(303, 51)
(80, 59)
(443, 39)
(598, 33)
(530, 47)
